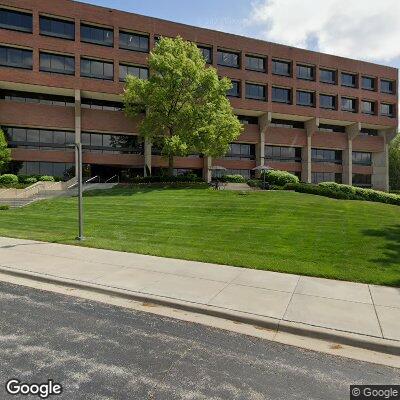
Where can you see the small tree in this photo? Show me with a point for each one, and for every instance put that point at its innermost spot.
(394, 163)
(183, 103)
(5, 152)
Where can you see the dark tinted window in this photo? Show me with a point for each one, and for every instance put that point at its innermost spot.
(348, 79)
(368, 83)
(18, 58)
(348, 104)
(228, 59)
(327, 76)
(97, 35)
(387, 86)
(101, 105)
(61, 170)
(362, 180)
(238, 151)
(327, 101)
(368, 107)
(140, 72)
(15, 20)
(57, 27)
(318, 177)
(305, 98)
(331, 128)
(324, 155)
(207, 53)
(362, 158)
(305, 72)
(235, 90)
(133, 41)
(254, 63)
(37, 98)
(368, 132)
(57, 63)
(97, 69)
(281, 95)
(387, 110)
(246, 119)
(283, 153)
(284, 123)
(254, 91)
(281, 67)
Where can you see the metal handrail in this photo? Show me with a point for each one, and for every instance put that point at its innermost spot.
(29, 188)
(115, 176)
(92, 179)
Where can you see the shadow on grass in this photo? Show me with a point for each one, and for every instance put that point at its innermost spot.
(390, 255)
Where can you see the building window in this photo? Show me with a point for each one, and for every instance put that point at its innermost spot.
(362, 180)
(57, 28)
(331, 128)
(387, 110)
(368, 83)
(37, 98)
(281, 95)
(327, 101)
(246, 173)
(327, 76)
(326, 156)
(57, 64)
(305, 72)
(368, 107)
(103, 105)
(283, 153)
(362, 158)
(281, 67)
(228, 59)
(349, 104)
(349, 80)
(387, 86)
(97, 35)
(240, 151)
(139, 72)
(247, 120)
(134, 41)
(318, 177)
(234, 91)
(60, 170)
(255, 92)
(305, 98)
(254, 63)
(97, 69)
(283, 123)
(111, 144)
(17, 58)
(206, 53)
(15, 20)
(368, 132)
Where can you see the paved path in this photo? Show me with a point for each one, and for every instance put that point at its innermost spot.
(279, 299)
(98, 352)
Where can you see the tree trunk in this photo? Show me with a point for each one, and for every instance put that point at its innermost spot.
(170, 165)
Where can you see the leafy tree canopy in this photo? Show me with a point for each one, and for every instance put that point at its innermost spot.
(5, 152)
(394, 163)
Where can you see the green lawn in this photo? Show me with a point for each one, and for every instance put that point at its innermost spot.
(279, 231)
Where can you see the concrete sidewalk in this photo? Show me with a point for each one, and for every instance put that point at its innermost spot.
(351, 313)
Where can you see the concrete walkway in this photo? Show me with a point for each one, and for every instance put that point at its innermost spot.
(359, 314)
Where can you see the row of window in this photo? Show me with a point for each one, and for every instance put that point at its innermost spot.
(362, 180)
(62, 28)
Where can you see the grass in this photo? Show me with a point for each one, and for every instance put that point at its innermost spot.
(278, 230)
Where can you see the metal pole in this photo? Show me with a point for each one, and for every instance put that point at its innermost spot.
(80, 190)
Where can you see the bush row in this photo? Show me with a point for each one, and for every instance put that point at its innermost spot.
(187, 178)
(232, 178)
(11, 179)
(345, 192)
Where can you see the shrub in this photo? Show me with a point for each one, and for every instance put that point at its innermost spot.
(254, 182)
(280, 178)
(31, 180)
(46, 178)
(186, 178)
(232, 178)
(330, 185)
(4, 207)
(27, 179)
(9, 179)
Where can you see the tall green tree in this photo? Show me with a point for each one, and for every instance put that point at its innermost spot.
(5, 152)
(183, 103)
(394, 163)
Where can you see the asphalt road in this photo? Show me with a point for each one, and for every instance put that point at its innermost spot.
(98, 352)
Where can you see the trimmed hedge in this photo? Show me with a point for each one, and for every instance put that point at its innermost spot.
(8, 179)
(279, 178)
(187, 178)
(4, 207)
(254, 182)
(345, 192)
(232, 178)
(46, 178)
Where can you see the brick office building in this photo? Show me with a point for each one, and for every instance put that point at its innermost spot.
(62, 67)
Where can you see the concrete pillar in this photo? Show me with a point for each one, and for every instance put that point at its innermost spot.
(264, 122)
(306, 161)
(207, 162)
(352, 132)
(380, 163)
(78, 123)
(147, 157)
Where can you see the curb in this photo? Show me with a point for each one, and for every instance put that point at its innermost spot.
(380, 345)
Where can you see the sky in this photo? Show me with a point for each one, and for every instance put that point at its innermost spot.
(362, 29)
